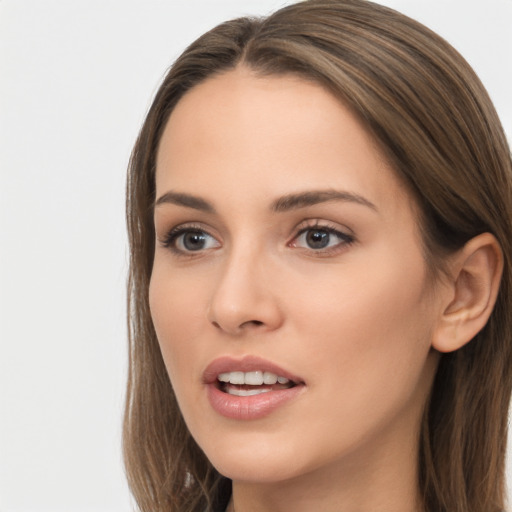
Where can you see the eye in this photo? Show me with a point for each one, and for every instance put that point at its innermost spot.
(184, 240)
(320, 238)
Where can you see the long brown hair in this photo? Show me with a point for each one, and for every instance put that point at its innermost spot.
(434, 120)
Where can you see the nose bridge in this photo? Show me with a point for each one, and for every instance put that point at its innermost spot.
(243, 297)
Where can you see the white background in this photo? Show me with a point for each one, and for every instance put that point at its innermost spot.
(76, 78)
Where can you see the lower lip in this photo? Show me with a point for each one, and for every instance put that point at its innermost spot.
(249, 407)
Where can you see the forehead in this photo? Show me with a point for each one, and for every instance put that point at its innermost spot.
(243, 136)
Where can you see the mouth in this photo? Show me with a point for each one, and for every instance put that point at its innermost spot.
(252, 383)
(249, 388)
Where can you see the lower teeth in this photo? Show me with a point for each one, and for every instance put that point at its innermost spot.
(246, 389)
(246, 392)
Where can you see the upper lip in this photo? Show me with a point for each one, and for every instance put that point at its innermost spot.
(245, 364)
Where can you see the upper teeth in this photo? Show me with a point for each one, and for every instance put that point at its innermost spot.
(252, 378)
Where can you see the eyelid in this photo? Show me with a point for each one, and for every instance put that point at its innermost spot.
(318, 223)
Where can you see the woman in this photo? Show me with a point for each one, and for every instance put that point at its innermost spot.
(319, 209)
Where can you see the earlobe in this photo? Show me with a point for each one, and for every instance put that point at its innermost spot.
(473, 285)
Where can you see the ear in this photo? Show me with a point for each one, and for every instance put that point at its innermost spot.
(472, 290)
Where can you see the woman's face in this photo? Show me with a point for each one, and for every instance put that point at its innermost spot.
(286, 247)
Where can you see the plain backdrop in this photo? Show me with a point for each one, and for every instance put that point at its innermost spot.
(76, 79)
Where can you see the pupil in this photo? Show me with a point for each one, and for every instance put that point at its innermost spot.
(194, 241)
(317, 239)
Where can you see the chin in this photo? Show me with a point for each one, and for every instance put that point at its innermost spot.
(256, 473)
(269, 461)
(256, 462)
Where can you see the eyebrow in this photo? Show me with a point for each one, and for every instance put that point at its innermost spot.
(304, 199)
(282, 204)
(187, 200)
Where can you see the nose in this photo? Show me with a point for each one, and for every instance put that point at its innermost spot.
(245, 298)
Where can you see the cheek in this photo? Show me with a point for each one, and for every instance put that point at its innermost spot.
(369, 329)
(367, 346)
(177, 310)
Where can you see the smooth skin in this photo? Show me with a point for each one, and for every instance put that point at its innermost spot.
(333, 289)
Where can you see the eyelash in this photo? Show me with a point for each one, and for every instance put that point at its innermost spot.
(344, 238)
(172, 237)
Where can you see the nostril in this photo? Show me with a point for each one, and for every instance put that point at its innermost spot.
(253, 323)
(238, 329)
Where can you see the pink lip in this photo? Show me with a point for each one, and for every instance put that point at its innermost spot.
(247, 407)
